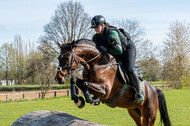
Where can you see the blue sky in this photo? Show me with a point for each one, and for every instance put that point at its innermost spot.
(27, 17)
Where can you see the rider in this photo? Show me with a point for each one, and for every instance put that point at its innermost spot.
(109, 39)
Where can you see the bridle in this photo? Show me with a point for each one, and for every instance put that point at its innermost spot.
(70, 65)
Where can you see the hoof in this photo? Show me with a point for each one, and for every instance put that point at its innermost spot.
(96, 101)
(81, 103)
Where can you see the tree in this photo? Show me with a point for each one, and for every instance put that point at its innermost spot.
(31, 67)
(5, 58)
(19, 59)
(1, 70)
(176, 53)
(70, 22)
(45, 66)
(151, 68)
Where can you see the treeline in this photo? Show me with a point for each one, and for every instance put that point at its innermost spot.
(26, 63)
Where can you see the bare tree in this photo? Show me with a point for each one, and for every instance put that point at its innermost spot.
(176, 53)
(145, 48)
(45, 67)
(70, 22)
(133, 27)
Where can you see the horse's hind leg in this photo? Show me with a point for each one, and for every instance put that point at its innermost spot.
(149, 111)
(136, 115)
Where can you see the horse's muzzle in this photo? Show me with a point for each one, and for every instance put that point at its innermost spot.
(60, 76)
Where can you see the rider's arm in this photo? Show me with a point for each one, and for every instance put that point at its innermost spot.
(114, 41)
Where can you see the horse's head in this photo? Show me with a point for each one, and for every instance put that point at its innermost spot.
(82, 51)
(67, 61)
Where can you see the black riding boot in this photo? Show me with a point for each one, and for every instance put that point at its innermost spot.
(135, 81)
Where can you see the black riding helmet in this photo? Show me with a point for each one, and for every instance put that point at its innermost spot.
(97, 20)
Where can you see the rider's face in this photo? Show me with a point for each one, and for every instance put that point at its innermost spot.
(98, 29)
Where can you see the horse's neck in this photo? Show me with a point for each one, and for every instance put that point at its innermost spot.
(91, 56)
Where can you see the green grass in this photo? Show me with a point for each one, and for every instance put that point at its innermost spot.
(178, 102)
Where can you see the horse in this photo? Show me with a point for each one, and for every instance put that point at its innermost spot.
(102, 78)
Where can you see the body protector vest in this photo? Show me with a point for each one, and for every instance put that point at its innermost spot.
(124, 37)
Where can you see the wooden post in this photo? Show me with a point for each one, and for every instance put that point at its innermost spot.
(67, 92)
(39, 95)
(23, 95)
(7, 98)
(55, 94)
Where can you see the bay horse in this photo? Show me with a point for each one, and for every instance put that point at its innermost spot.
(104, 81)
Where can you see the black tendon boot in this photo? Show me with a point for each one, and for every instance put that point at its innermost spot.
(84, 87)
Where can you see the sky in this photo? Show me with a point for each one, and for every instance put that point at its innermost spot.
(28, 17)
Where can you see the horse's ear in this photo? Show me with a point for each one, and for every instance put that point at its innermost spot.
(72, 44)
(60, 45)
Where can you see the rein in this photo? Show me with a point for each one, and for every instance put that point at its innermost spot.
(93, 58)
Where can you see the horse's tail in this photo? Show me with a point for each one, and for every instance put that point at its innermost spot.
(163, 108)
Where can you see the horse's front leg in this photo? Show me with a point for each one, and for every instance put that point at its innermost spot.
(85, 86)
(79, 101)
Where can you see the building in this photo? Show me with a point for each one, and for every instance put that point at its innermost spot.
(10, 82)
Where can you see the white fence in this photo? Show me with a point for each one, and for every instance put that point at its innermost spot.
(164, 86)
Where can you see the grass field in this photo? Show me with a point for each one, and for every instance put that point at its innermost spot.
(178, 102)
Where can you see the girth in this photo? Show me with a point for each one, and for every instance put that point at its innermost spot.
(112, 101)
